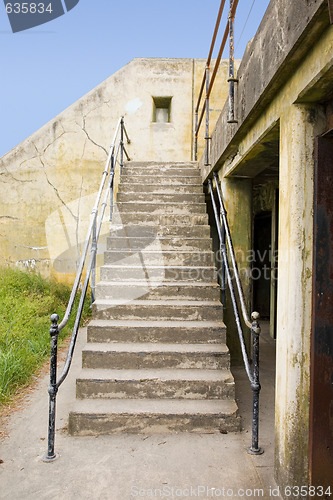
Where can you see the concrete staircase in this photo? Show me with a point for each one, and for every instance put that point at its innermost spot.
(156, 358)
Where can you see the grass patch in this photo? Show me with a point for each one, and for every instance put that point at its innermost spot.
(27, 301)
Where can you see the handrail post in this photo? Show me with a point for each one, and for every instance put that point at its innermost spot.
(53, 389)
(207, 117)
(121, 145)
(111, 187)
(196, 136)
(223, 280)
(94, 253)
(231, 79)
(255, 385)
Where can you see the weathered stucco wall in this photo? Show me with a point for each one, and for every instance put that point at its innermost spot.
(299, 127)
(48, 182)
(284, 78)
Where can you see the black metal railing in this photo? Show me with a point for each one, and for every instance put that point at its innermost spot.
(106, 190)
(208, 81)
(226, 242)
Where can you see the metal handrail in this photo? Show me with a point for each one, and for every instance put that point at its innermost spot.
(209, 82)
(253, 374)
(93, 233)
(225, 224)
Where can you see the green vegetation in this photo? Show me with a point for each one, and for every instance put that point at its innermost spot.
(26, 302)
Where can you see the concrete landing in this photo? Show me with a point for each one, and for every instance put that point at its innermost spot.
(123, 467)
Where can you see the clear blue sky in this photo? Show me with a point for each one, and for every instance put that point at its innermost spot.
(45, 69)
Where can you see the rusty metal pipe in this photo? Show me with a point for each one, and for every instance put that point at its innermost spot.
(201, 92)
(217, 64)
(219, 57)
(231, 79)
(207, 119)
(224, 40)
(201, 117)
(330, 10)
(217, 26)
(212, 45)
(196, 137)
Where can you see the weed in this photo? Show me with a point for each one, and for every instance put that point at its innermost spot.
(26, 302)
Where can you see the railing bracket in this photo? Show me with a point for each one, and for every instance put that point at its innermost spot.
(251, 451)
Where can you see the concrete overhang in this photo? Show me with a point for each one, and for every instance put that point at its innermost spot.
(263, 155)
(320, 88)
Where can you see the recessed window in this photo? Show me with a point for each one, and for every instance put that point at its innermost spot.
(161, 109)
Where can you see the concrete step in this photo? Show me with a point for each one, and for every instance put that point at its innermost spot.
(156, 358)
(161, 180)
(165, 169)
(146, 165)
(160, 257)
(162, 310)
(169, 243)
(159, 197)
(154, 173)
(138, 356)
(150, 384)
(184, 226)
(157, 274)
(142, 416)
(162, 208)
(144, 187)
(195, 332)
(167, 290)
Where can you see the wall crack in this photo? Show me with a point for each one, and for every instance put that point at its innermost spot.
(90, 139)
(57, 192)
(13, 176)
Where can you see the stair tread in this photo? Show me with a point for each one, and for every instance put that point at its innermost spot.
(137, 347)
(155, 266)
(162, 226)
(142, 302)
(200, 284)
(156, 323)
(144, 163)
(150, 184)
(223, 375)
(153, 202)
(159, 238)
(163, 251)
(158, 176)
(170, 227)
(155, 406)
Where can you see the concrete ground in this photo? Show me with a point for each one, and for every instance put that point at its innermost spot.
(122, 467)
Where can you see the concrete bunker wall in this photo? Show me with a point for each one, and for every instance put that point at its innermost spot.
(48, 182)
(284, 80)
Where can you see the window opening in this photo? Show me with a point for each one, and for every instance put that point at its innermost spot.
(162, 109)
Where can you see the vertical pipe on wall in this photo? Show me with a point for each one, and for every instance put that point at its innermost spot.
(207, 116)
(231, 79)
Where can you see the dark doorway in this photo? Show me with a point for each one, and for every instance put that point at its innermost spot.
(261, 269)
(321, 400)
